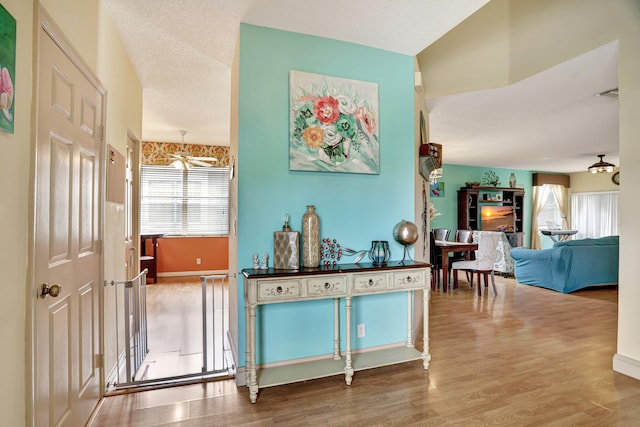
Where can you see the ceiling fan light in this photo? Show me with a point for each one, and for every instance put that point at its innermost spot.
(601, 166)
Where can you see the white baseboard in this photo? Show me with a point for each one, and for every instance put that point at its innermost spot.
(627, 366)
(192, 273)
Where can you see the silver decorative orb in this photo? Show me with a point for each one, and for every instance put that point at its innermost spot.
(405, 233)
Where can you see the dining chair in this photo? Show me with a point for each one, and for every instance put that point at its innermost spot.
(441, 233)
(484, 262)
(461, 236)
(435, 258)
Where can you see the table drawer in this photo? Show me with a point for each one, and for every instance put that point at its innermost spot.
(327, 285)
(278, 290)
(363, 283)
(409, 279)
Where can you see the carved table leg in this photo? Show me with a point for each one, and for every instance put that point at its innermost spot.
(426, 356)
(336, 329)
(253, 378)
(409, 319)
(348, 369)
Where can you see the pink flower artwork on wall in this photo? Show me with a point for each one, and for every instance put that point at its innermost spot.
(333, 124)
(7, 70)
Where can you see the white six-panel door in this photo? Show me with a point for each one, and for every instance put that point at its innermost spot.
(67, 240)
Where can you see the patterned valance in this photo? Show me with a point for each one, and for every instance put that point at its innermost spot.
(157, 153)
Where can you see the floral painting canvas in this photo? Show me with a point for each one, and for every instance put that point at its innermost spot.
(333, 124)
(7, 69)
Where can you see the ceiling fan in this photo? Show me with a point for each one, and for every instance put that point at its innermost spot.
(184, 160)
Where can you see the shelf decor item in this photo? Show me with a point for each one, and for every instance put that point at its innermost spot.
(379, 253)
(405, 233)
(286, 248)
(491, 179)
(310, 238)
(331, 252)
(512, 180)
(615, 178)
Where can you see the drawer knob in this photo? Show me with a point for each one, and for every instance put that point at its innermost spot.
(279, 289)
(327, 285)
(409, 279)
(370, 282)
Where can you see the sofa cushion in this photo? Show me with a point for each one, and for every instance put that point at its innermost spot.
(608, 240)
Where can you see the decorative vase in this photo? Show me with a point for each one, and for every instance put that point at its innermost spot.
(286, 248)
(512, 180)
(310, 238)
(379, 253)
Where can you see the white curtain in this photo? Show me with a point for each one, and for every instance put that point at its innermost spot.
(560, 193)
(540, 194)
(594, 214)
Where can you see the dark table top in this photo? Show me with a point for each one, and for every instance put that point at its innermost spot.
(252, 273)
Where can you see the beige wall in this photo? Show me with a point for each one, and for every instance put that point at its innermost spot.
(78, 20)
(233, 207)
(85, 25)
(539, 35)
(545, 33)
(14, 222)
(582, 182)
(480, 44)
(124, 116)
(627, 359)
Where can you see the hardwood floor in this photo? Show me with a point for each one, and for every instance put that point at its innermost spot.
(526, 357)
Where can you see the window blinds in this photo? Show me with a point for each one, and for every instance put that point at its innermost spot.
(184, 202)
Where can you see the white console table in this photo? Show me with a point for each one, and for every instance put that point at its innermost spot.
(346, 281)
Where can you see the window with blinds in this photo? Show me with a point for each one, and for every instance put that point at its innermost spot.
(184, 202)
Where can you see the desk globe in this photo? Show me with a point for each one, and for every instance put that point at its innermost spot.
(405, 233)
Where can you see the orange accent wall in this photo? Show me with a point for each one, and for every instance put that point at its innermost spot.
(177, 254)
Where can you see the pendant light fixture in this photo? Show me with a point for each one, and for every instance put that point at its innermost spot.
(601, 166)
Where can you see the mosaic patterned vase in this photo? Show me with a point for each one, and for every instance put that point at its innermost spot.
(310, 238)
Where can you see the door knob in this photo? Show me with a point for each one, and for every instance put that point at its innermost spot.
(53, 290)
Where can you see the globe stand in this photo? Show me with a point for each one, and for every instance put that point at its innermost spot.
(406, 254)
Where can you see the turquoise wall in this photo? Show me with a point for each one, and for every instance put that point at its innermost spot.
(353, 208)
(455, 176)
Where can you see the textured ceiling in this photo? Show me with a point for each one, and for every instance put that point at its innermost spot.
(182, 49)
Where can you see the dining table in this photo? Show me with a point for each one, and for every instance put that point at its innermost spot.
(446, 247)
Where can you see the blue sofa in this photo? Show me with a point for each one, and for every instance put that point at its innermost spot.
(570, 265)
